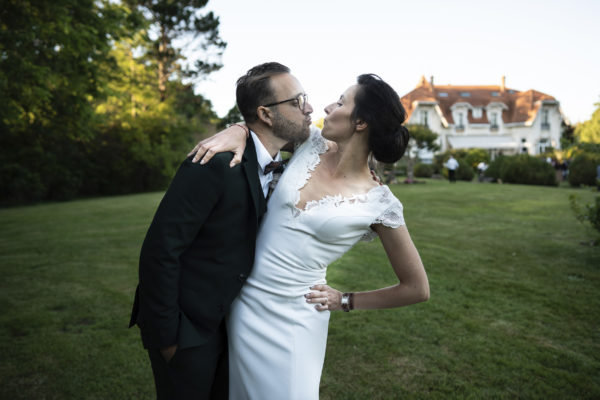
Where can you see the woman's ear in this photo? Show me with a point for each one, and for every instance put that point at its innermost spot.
(360, 125)
(265, 115)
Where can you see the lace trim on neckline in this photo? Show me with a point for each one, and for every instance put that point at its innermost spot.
(337, 200)
(318, 146)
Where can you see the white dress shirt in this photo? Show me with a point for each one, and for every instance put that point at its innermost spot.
(451, 163)
(263, 157)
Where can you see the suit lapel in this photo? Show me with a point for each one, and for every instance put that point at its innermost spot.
(250, 167)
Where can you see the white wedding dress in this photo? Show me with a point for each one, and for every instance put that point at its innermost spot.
(276, 339)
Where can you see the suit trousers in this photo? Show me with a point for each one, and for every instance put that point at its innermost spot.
(194, 373)
(452, 175)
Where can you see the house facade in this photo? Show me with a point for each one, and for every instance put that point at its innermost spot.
(495, 118)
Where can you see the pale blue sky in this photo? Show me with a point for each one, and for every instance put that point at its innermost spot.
(551, 46)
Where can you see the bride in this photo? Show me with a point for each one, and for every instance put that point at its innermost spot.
(324, 203)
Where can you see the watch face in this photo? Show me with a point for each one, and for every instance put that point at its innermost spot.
(344, 304)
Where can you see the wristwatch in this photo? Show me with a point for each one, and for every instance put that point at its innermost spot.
(347, 302)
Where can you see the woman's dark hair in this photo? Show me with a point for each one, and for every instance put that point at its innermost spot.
(254, 89)
(376, 103)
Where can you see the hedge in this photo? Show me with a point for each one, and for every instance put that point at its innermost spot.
(582, 170)
(523, 169)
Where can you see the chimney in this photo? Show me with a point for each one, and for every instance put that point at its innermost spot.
(431, 81)
(503, 85)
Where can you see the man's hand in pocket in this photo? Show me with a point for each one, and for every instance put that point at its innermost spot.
(168, 352)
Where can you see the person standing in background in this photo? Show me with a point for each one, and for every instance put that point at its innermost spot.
(452, 166)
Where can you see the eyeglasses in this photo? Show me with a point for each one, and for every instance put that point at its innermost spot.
(302, 100)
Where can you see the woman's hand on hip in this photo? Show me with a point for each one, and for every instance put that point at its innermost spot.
(325, 298)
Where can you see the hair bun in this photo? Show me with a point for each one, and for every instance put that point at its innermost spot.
(390, 148)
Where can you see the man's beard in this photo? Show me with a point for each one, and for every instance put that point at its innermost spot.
(290, 131)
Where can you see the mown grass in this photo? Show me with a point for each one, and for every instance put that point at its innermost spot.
(514, 308)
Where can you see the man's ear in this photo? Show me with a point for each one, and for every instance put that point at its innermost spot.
(360, 125)
(265, 115)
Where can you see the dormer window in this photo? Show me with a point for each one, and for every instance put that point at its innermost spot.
(443, 94)
(465, 94)
(424, 115)
(477, 112)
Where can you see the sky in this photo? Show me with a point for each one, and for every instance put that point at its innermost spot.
(550, 46)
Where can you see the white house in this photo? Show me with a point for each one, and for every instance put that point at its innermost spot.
(496, 118)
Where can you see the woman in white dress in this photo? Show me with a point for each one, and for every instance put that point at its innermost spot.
(325, 202)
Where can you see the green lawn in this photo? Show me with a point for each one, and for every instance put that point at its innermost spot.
(514, 309)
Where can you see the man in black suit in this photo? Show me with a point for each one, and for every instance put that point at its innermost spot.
(199, 248)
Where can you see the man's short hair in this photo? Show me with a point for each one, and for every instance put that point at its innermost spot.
(254, 89)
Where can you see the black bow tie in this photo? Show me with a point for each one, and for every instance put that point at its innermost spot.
(276, 166)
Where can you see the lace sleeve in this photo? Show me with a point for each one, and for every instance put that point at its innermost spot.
(392, 217)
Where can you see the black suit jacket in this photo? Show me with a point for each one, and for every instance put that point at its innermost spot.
(198, 251)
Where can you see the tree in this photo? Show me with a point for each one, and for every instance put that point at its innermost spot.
(80, 112)
(233, 115)
(421, 138)
(176, 18)
(139, 138)
(131, 90)
(567, 136)
(51, 65)
(589, 131)
(51, 57)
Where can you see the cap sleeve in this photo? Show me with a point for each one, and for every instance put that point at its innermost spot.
(392, 217)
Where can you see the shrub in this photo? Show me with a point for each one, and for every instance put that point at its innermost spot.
(440, 159)
(465, 171)
(523, 169)
(423, 170)
(582, 170)
(467, 161)
(19, 184)
(493, 170)
(475, 156)
(591, 213)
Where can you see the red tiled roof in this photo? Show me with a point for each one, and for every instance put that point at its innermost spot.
(522, 106)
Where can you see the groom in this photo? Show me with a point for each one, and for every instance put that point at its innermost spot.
(199, 248)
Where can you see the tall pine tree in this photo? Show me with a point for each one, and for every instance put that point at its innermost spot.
(173, 19)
